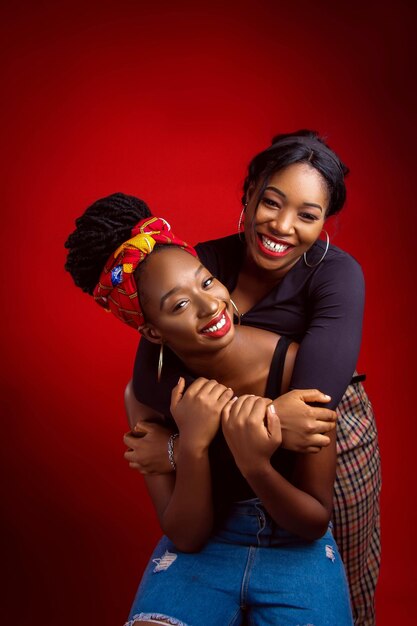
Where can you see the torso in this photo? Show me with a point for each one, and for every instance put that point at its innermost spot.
(227, 481)
(253, 351)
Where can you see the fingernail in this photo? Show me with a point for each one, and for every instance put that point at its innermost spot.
(179, 380)
(271, 408)
(233, 399)
(326, 396)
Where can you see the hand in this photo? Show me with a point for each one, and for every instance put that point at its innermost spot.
(252, 431)
(197, 411)
(149, 453)
(304, 427)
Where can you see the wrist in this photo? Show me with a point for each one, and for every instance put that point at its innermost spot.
(190, 451)
(256, 471)
(281, 410)
(190, 441)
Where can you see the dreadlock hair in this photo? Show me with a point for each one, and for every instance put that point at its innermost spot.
(302, 146)
(100, 230)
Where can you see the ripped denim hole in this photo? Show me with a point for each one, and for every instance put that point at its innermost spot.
(164, 562)
(330, 553)
(155, 618)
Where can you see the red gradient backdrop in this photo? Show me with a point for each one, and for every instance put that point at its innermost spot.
(169, 101)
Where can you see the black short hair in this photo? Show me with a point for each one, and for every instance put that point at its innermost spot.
(301, 146)
(100, 230)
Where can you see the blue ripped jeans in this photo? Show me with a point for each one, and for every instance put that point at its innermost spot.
(249, 569)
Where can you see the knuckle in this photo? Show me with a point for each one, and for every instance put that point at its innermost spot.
(249, 399)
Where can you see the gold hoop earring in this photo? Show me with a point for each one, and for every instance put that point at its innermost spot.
(236, 311)
(323, 255)
(160, 361)
(240, 223)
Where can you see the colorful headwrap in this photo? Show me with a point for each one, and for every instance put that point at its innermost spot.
(116, 290)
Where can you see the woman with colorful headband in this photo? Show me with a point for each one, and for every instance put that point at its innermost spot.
(287, 281)
(246, 521)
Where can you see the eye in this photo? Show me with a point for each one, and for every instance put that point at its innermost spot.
(269, 202)
(207, 282)
(180, 305)
(308, 217)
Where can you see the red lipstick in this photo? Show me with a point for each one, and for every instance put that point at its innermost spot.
(273, 247)
(218, 326)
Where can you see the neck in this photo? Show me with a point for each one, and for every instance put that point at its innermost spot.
(267, 278)
(222, 365)
(243, 365)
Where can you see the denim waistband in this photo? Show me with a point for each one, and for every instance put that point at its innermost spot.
(248, 523)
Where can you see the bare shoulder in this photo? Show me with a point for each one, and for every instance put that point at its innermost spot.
(259, 340)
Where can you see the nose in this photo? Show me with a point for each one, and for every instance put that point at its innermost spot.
(283, 222)
(207, 304)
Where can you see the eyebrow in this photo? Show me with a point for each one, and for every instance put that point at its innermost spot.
(175, 289)
(282, 194)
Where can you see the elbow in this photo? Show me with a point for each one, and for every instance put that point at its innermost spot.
(316, 528)
(312, 534)
(190, 547)
(187, 544)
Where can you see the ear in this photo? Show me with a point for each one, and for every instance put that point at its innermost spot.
(250, 192)
(151, 333)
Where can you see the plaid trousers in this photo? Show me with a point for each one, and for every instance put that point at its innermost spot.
(356, 501)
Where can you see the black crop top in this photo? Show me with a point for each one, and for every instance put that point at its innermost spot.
(228, 483)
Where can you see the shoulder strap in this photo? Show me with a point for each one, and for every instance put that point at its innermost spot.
(273, 385)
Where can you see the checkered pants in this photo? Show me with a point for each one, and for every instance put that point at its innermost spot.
(356, 501)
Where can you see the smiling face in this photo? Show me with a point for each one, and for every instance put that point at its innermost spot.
(288, 218)
(184, 305)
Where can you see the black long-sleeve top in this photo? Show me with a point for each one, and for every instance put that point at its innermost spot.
(321, 308)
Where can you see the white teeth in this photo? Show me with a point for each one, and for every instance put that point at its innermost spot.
(217, 326)
(272, 245)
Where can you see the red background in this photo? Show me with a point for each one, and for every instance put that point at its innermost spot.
(169, 101)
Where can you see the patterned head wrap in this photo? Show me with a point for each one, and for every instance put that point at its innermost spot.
(116, 290)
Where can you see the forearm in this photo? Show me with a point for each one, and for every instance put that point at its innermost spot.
(188, 518)
(290, 507)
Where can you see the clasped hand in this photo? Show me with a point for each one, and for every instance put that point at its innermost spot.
(304, 428)
(252, 431)
(197, 412)
(250, 424)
